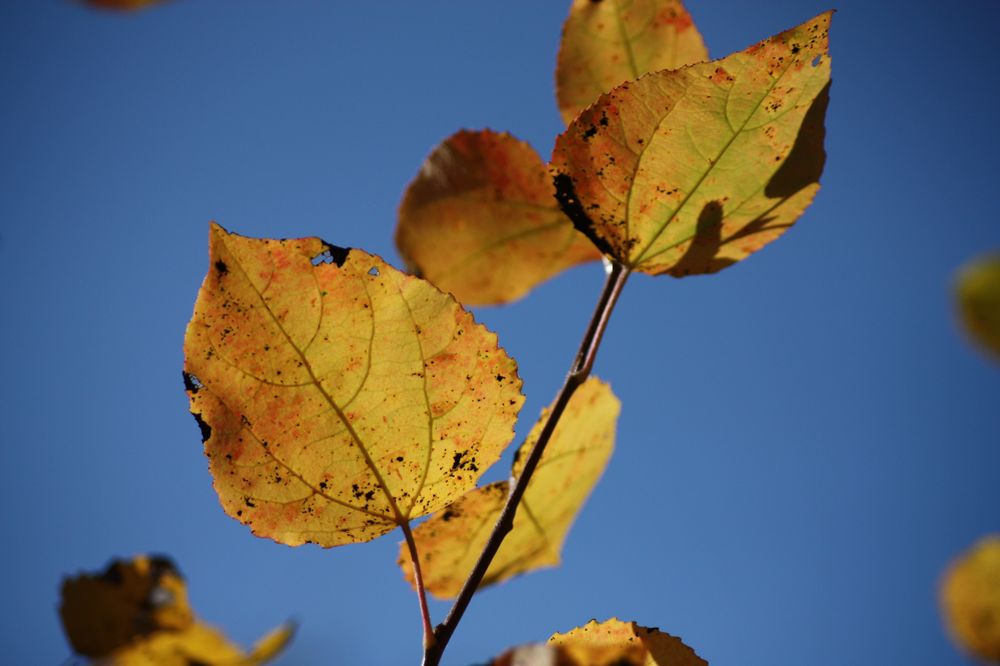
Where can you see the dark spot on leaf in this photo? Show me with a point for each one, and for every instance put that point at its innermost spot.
(570, 204)
(590, 132)
(220, 266)
(331, 254)
(206, 430)
(249, 502)
(322, 485)
(191, 383)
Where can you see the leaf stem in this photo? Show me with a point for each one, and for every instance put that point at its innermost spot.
(579, 371)
(418, 579)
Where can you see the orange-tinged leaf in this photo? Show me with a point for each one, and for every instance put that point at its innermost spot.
(657, 648)
(607, 43)
(970, 600)
(339, 397)
(136, 613)
(689, 171)
(978, 290)
(450, 542)
(481, 220)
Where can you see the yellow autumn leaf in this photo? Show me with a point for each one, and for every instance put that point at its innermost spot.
(607, 43)
(481, 220)
(338, 397)
(573, 655)
(655, 648)
(449, 542)
(689, 171)
(978, 291)
(136, 613)
(970, 600)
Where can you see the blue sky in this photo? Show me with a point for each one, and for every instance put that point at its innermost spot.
(806, 438)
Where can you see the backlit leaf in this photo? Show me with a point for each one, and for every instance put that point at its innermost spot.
(136, 613)
(970, 600)
(656, 647)
(573, 655)
(978, 288)
(606, 43)
(338, 397)
(611, 643)
(481, 220)
(449, 542)
(690, 171)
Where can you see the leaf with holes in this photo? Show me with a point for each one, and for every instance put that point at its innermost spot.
(978, 290)
(653, 647)
(481, 220)
(690, 171)
(449, 542)
(339, 397)
(970, 600)
(136, 613)
(607, 43)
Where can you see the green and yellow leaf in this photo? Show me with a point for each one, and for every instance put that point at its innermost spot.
(689, 171)
(339, 397)
(481, 220)
(450, 542)
(970, 600)
(610, 42)
(136, 613)
(655, 648)
(978, 290)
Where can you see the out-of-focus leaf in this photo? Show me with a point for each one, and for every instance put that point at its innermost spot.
(450, 541)
(338, 397)
(104, 612)
(978, 289)
(481, 220)
(689, 171)
(197, 644)
(273, 643)
(609, 42)
(136, 613)
(658, 648)
(970, 600)
(124, 5)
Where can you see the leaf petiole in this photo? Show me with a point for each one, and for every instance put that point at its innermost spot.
(418, 578)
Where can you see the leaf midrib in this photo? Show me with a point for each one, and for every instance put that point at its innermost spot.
(397, 515)
(718, 157)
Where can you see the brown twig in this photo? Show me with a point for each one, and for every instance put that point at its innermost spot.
(582, 365)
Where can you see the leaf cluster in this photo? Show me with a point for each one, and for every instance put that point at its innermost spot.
(339, 398)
